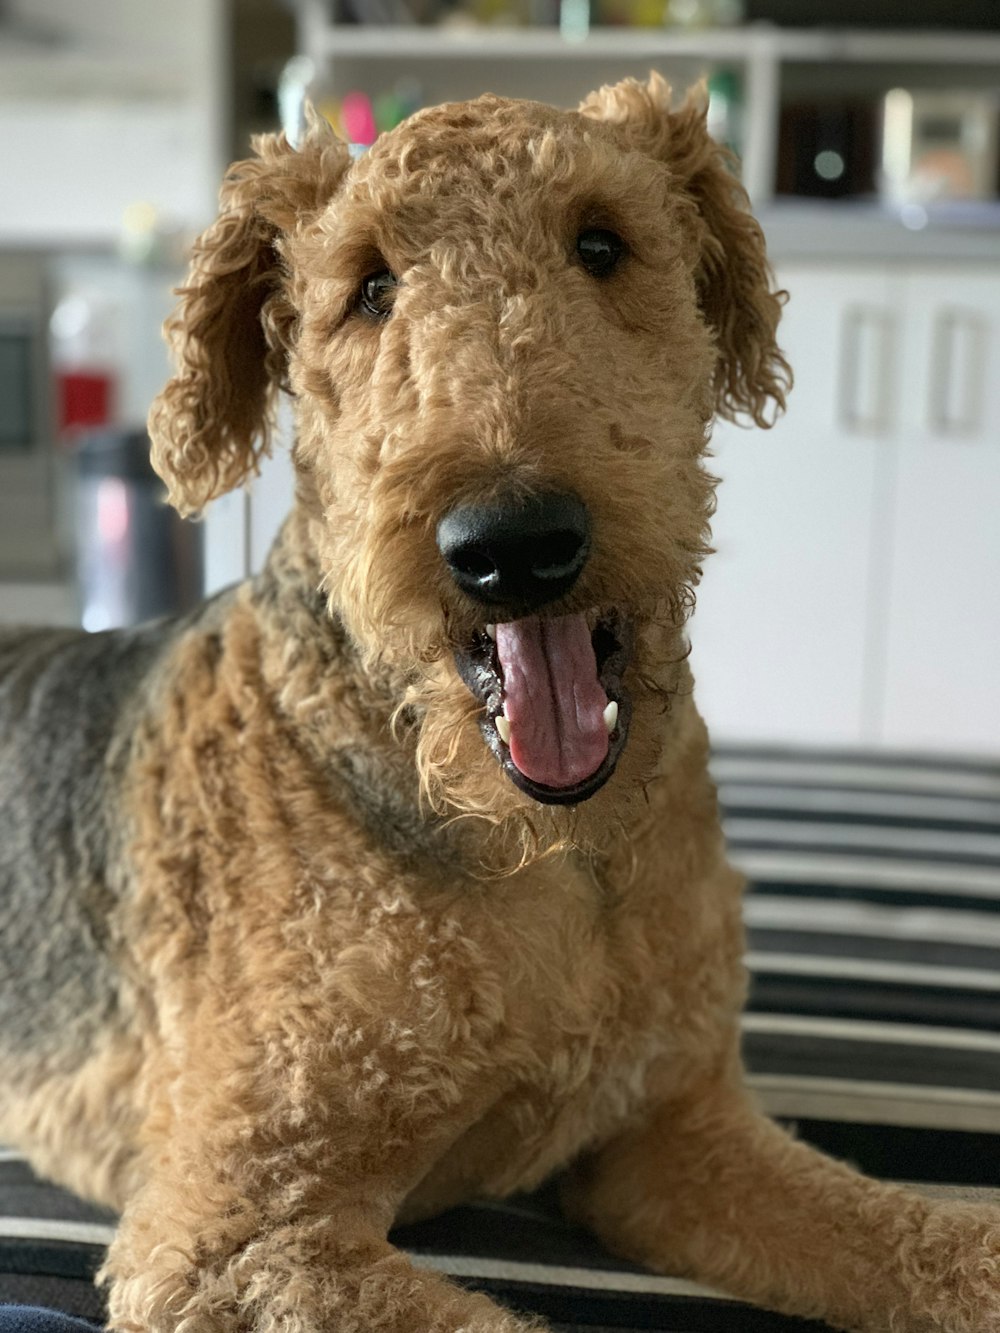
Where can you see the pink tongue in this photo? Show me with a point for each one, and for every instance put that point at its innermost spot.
(553, 699)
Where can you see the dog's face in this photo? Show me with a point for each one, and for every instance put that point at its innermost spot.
(504, 303)
(507, 329)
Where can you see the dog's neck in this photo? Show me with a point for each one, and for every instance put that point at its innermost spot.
(340, 708)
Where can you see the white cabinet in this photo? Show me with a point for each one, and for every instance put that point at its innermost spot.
(855, 595)
(942, 627)
(780, 631)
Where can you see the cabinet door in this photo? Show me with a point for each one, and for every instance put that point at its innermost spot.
(781, 636)
(943, 612)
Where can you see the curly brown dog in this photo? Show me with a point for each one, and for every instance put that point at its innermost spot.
(395, 876)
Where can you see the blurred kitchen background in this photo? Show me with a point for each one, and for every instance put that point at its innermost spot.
(855, 596)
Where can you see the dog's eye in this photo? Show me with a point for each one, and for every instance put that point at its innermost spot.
(599, 251)
(377, 292)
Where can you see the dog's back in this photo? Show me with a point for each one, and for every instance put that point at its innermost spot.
(73, 712)
(66, 698)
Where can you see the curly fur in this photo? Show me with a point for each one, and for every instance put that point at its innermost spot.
(233, 331)
(340, 969)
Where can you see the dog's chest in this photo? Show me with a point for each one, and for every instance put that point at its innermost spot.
(546, 1121)
(589, 1003)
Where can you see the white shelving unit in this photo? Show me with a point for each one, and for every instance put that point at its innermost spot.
(540, 62)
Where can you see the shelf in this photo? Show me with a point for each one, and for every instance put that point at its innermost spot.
(392, 42)
(727, 45)
(854, 46)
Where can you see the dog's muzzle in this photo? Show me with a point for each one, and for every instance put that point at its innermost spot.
(556, 714)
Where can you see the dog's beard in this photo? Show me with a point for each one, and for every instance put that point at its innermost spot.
(462, 783)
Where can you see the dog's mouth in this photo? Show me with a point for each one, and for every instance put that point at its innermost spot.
(556, 710)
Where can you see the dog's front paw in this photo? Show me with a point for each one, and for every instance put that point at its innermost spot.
(276, 1286)
(391, 1296)
(952, 1269)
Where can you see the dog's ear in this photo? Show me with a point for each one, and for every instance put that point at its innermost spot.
(233, 327)
(735, 283)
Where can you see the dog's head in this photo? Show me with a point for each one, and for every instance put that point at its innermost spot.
(507, 329)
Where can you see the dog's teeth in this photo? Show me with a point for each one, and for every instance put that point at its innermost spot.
(611, 716)
(491, 631)
(503, 729)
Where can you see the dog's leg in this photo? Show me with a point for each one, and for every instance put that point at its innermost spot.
(178, 1267)
(711, 1189)
(330, 1274)
(277, 1224)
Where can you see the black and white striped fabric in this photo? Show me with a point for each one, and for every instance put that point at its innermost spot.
(874, 944)
(873, 918)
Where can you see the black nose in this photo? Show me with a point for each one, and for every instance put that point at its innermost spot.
(516, 553)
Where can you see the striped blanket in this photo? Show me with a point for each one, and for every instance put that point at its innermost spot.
(873, 919)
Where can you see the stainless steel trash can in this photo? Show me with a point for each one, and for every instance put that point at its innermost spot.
(135, 557)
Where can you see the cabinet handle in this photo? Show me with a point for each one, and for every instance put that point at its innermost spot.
(957, 372)
(867, 335)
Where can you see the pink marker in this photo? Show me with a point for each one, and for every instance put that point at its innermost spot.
(358, 119)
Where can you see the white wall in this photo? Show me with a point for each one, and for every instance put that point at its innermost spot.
(107, 103)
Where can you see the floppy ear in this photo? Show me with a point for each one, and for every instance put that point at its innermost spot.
(232, 330)
(735, 282)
